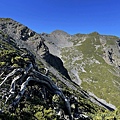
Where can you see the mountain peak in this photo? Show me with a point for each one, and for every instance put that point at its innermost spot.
(94, 33)
(59, 32)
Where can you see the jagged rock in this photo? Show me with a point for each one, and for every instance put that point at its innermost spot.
(26, 38)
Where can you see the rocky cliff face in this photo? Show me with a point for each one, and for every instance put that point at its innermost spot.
(26, 38)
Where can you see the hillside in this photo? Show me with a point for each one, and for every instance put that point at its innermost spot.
(35, 85)
(92, 61)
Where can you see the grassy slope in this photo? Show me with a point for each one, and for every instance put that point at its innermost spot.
(99, 77)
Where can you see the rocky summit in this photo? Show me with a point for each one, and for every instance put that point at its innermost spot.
(57, 76)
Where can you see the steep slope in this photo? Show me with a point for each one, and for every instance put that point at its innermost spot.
(93, 62)
(26, 38)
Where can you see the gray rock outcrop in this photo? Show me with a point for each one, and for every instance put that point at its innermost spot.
(26, 38)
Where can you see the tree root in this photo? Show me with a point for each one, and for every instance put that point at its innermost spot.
(24, 77)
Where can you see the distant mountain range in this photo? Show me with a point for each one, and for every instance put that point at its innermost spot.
(85, 67)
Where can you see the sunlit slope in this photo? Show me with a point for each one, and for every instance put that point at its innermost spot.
(89, 61)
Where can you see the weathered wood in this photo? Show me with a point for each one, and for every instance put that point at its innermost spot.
(28, 76)
(11, 74)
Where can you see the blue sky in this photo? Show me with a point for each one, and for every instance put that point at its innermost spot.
(72, 16)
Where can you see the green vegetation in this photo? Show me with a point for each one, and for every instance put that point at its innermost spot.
(2, 64)
(107, 115)
(94, 34)
(111, 40)
(98, 77)
(5, 19)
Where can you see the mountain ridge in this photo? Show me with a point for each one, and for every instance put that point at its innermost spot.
(88, 52)
(21, 37)
(25, 37)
